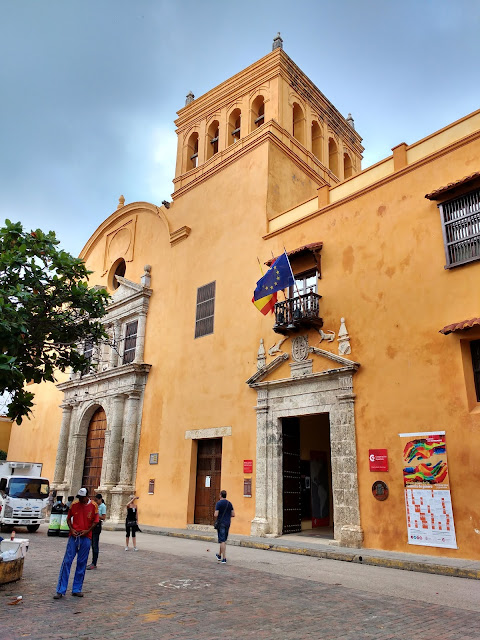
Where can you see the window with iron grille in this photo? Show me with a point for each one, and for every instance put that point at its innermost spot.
(475, 350)
(130, 342)
(461, 229)
(205, 310)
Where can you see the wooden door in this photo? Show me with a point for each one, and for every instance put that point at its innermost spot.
(292, 509)
(92, 468)
(209, 468)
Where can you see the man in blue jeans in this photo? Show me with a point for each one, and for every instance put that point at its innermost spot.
(82, 517)
(224, 512)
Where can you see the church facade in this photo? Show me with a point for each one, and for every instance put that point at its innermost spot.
(307, 415)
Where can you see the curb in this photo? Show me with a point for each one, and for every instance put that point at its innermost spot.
(389, 563)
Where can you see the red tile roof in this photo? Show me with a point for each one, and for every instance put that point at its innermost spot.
(313, 246)
(441, 191)
(460, 326)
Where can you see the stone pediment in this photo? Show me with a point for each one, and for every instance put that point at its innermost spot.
(126, 289)
(301, 365)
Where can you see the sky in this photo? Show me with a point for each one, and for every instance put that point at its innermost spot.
(90, 88)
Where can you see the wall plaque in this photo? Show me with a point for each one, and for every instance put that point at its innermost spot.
(380, 490)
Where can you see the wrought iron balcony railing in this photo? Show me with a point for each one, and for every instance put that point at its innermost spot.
(296, 313)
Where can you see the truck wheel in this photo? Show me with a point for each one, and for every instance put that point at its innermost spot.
(32, 527)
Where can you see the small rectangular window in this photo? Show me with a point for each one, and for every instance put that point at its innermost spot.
(88, 354)
(130, 342)
(205, 310)
(475, 351)
(461, 229)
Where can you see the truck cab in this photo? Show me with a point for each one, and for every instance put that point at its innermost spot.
(23, 495)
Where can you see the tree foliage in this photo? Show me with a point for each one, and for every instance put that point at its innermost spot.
(47, 309)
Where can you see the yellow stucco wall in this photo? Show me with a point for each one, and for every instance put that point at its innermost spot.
(5, 429)
(382, 270)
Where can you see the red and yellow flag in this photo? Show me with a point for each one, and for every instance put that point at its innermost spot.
(266, 304)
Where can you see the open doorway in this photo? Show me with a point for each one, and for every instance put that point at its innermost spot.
(307, 476)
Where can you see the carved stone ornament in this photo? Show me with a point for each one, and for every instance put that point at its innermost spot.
(300, 348)
(344, 348)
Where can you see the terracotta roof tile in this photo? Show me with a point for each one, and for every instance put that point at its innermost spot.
(441, 191)
(460, 326)
(313, 246)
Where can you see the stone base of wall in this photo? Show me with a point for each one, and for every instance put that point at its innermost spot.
(351, 536)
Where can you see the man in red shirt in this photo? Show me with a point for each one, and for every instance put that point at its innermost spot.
(82, 517)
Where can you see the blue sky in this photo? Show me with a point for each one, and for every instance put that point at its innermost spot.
(90, 88)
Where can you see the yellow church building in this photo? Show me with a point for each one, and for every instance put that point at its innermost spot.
(334, 414)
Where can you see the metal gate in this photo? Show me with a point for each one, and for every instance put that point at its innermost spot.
(292, 509)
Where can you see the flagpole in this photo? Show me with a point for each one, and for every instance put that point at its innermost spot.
(294, 281)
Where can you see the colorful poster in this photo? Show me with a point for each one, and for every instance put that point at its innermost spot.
(427, 490)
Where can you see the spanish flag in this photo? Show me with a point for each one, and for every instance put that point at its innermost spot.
(267, 303)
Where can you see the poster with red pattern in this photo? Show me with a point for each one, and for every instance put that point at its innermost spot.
(428, 501)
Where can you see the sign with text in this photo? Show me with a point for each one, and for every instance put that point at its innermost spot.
(428, 502)
(248, 466)
(378, 459)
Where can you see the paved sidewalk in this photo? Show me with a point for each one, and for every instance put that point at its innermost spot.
(154, 594)
(321, 548)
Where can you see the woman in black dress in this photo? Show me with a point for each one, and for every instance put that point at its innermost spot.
(131, 523)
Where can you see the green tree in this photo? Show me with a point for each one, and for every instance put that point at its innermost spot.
(46, 310)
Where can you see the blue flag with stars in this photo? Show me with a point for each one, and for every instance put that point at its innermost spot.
(279, 276)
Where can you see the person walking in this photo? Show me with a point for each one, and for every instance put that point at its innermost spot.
(82, 517)
(224, 512)
(97, 529)
(131, 523)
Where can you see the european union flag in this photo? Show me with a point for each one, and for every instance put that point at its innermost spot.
(279, 276)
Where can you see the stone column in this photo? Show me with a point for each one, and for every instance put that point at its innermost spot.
(62, 449)
(260, 525)
(140, 344)
(113, 454)
(346, 505)
(129, 438)
(115, 345)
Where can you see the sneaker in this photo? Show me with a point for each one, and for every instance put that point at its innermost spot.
(77, 594)
(58, 596)
(91, 566)
(218, 557)
(126, 548)
(224, 561)
(135, 549)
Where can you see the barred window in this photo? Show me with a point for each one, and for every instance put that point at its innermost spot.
(88, 354)
(461, 229)
(130, 342)
(205, 310)
(475, 351)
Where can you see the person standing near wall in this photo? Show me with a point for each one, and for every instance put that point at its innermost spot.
(97, 529)
(131, 523)
(224, 512)
(82, 517)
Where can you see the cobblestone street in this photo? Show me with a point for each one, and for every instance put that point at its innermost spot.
(151, 594)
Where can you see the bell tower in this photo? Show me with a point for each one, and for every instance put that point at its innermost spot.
(271, 101)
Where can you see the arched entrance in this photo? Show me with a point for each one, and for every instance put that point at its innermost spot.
(92, 467)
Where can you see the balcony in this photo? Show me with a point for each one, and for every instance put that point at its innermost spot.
(300, 312)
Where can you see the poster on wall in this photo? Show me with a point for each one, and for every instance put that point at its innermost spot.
(427, 490)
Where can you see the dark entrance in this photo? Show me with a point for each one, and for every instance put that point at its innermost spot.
(292, 507)
(92, 469)
(307, 476)
(209, 468)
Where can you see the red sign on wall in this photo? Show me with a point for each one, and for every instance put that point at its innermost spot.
(378, 459)
(248, 466)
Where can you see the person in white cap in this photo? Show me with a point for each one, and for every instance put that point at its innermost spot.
(82, 517)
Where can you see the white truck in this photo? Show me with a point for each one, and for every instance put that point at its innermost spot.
(23, 495)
